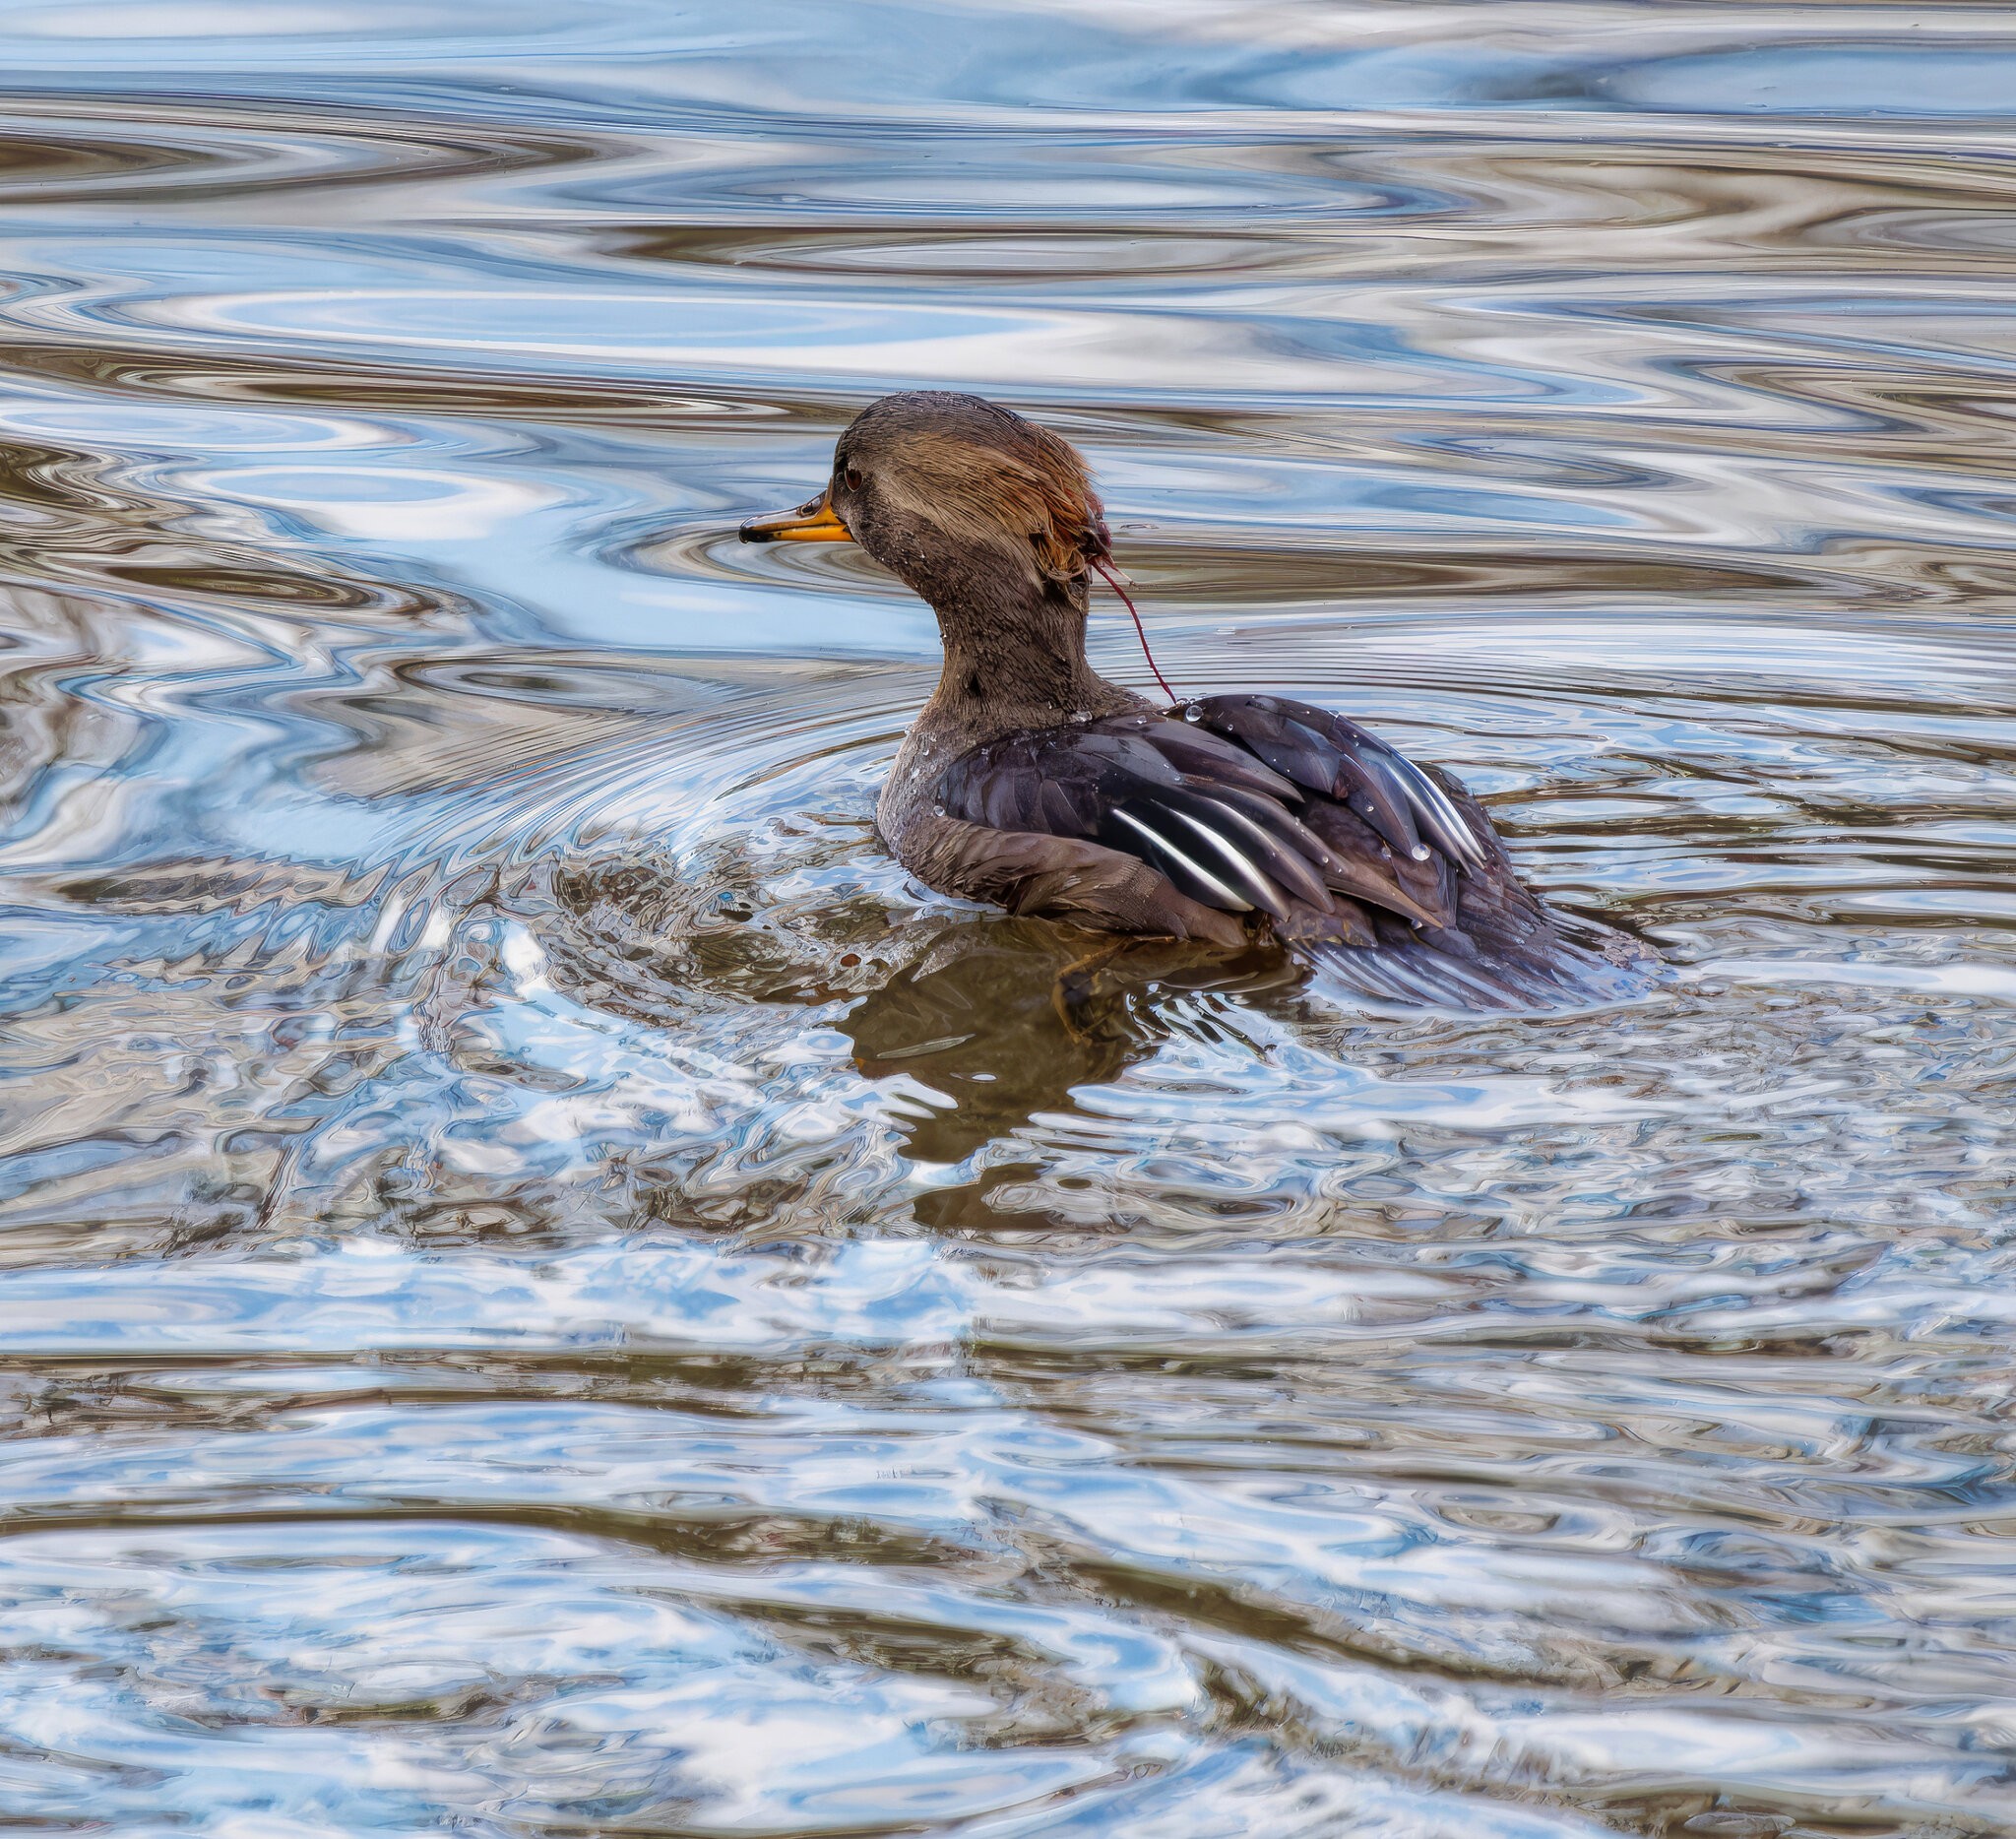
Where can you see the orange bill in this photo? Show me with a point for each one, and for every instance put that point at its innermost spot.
(816, 522)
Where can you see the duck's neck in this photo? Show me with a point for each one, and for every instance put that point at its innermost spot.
(1015, 657)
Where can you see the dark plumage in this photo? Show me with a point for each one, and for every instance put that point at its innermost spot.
(1031, 781)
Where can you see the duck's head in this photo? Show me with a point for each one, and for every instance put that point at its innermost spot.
(959, 497)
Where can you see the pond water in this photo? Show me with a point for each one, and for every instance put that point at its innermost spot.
(549, 1289)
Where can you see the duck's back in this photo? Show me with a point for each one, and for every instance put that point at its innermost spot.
(1232, 809)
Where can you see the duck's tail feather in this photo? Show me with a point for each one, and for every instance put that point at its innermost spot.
(1575, 963)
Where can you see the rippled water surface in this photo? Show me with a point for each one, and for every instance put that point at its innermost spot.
(549, 1289)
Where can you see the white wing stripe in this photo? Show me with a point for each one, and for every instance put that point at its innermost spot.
(1232, 897)
(1262, 891)
(1432, 803)
(1312, 889)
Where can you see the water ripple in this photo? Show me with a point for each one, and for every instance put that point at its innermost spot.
(550, 1289)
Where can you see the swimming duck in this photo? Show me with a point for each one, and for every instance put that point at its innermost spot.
(1031, 781)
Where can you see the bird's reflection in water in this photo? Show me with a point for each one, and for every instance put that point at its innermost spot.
(1008, 1018)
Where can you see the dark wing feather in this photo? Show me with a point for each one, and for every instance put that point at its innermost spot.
(1334, 758)
(1197, 753)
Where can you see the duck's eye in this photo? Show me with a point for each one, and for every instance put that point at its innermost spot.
(852, 477)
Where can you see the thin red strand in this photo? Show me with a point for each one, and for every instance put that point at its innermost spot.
(1141, 631)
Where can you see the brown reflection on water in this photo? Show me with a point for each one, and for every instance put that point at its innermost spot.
(1008, 1019)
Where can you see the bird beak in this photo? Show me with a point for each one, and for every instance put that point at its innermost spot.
(816, 522)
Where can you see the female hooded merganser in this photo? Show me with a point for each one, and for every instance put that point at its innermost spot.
(1031, 782)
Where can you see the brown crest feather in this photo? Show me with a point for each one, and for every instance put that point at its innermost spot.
(1035, 486)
